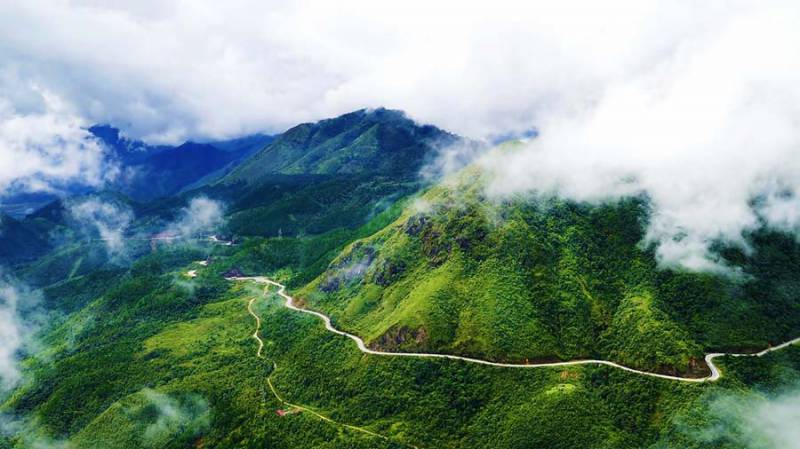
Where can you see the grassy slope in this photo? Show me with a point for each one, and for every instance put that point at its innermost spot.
(193, 349)
(333, 174)
(548, 279)
(151, 336)
(378, 142)
(310, 205)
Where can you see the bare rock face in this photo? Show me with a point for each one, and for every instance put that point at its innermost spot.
(387, 272)
(350, 268)
(399, 338)
(331, 284)
(415, 224)
(234, 272)
(435, 247)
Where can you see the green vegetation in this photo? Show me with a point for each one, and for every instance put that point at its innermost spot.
(310, 205)
(546, 279)
(192, 378)
(137, 353)
(379, 141)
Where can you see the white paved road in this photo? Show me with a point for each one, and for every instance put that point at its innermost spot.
(709, 358)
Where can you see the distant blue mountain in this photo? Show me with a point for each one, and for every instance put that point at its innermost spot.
(156, 171)
(149, 171)
(19, 242)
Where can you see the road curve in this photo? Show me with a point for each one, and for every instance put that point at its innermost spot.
(709, 358)
(258, 327)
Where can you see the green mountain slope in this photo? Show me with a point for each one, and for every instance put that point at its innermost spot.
(160, 360)
(547, 279)
(158, 350)
(336, 173)
(376, 141)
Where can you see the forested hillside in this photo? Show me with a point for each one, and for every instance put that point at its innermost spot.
(337, 173)
(147, 344)
(547, 279)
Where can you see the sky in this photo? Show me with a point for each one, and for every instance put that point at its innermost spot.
(695, 104)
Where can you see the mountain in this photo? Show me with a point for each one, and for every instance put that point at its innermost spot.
(20, 204)
(155, 171)
(546, 279)
(147, 171)
(159, 349)
(379, 141)
(335, 173)
(168, 171)
(19, 242)
(123, 149)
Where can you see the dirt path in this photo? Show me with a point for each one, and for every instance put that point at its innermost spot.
(258, 327)
(709, 358)
(259, 354)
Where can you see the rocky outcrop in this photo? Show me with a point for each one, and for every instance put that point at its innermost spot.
(234, 272)
(415, 224)
(350, 268)
(387, 272)
(400, 338)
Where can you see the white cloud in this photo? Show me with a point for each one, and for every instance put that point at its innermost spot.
(200, 215)
(755, 422)
(42, 149)
(174, 417)
(172, 69)
(693, 103)
(713, 126)
(18, 320)
(10, 336)
(104, 220)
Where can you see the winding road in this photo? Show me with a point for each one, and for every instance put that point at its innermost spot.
(709, 358)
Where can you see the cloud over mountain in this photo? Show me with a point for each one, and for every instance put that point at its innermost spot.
(45, 147)
(693, 104)
(20, 317)
(710, 133)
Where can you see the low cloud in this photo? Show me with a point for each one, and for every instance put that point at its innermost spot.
(103, 220)
(29, 433)
(44, 147)
(175, 418)
(754, 421)
(452, 157)
(694, 104)
(150, 419)
(708, 132)
(19, 319)
(476, 69)
(201, 215)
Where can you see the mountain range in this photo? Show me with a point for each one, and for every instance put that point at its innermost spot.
(148, 335)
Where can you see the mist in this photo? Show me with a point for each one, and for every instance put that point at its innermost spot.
(42, 148)
(710, 133)
(201, 215)
(174, 418)
(753, 421)
(20, 318)
(692, 104)
(104, 220)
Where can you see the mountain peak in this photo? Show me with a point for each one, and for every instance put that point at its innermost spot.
(105, 132)
(365, 142)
